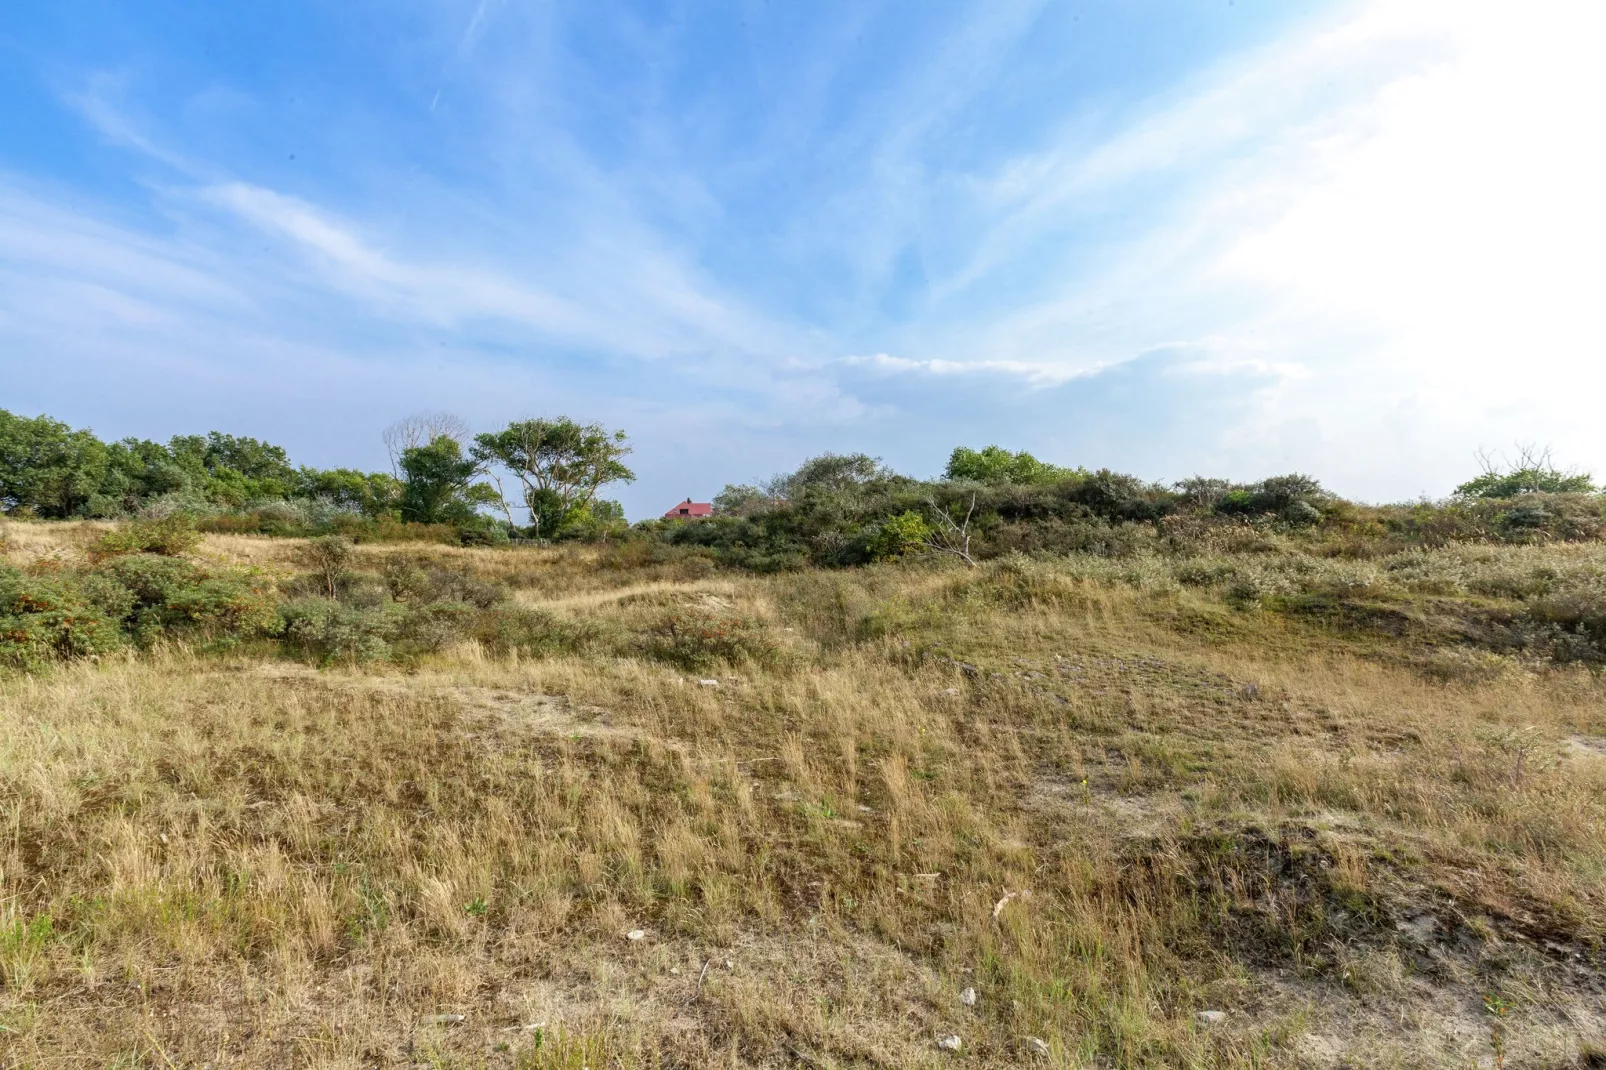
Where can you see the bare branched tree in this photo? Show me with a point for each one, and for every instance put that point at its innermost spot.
(1530, 456)
(951, 537)
(420, 429)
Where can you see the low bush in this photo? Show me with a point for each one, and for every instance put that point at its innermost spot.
(174, 598)
(168, 536)
(328, 632)
(430, 628)
(293, 523)
(418, 580)
(54, 613)
(510, 629)
(49, 618)
(697, 640)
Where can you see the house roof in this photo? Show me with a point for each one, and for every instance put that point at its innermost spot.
(689, 508)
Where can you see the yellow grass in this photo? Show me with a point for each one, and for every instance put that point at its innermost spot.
(1060, 792)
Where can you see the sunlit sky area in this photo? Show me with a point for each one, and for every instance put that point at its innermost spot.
(1361, 240)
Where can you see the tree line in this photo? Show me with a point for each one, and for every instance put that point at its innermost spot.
(834, 509)
(440, 475)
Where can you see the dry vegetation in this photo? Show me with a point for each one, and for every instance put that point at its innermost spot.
(1104, 796)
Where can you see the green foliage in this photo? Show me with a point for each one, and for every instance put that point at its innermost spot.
(328, 556)
(139, 472)
(176, 598)
(903, 534)
(49, 618)
(696, 640)
(740, 499)
(510, 628)
(1533, 479)
(833, 474)
(997, 465)
(598, 520)
(169, 536)
(328, 632)
(434, 626)
(54, 613)
(438, 484)
(1295, 499)
(233, 470)
(418, 581)
(560, 463)
(49, 470)
(371, 494)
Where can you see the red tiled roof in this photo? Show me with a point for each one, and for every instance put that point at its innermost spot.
(689, 508)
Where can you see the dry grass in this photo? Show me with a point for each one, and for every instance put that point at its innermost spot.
(1104, 804)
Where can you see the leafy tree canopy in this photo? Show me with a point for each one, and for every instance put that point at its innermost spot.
(48, 468)
(831, 473)
(997, 465)
(560, 463)
(1533, 472)
(740, 499)
(438, 484)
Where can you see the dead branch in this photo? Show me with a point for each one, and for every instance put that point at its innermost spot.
(953, 537)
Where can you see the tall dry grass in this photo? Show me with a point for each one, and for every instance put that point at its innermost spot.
(1102, 802)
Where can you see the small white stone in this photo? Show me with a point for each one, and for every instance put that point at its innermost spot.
(1038, 1045)
(443, 1019)
(1211, 1017)
(636, 934)
(675, 970)
(729, 965)
(707, 683)
(948, 1043)
(968, 997)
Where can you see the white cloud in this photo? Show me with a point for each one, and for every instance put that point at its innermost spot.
(1402, 210)
(445, 293)
(1384, 232)
(1034, 374)
(1456, 234)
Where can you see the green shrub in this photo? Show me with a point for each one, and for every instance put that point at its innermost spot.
(1301, 514)
(64, 614)
(326, 631)
(508, 629)
(169, 536)
(171, 597)
(1579, 612)
(903, 534)
(48, 618)
(419, 580)
(698, 640)
(433, 627)
(328, 556)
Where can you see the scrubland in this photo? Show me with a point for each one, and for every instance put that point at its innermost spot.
(619, 808)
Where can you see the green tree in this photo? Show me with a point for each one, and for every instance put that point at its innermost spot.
(997, 465)
(831, 473)
(1533, 472)
(740, 499)
(561, 465)
(48, 468)
(138, 470)
(438, 484)
(233, 469)
(369, 493)
(905, 533)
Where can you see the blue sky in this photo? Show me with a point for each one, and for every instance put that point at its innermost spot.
(1238, 238)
